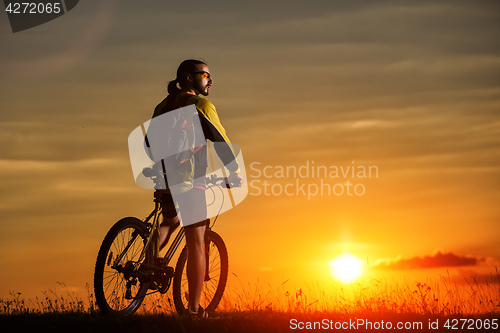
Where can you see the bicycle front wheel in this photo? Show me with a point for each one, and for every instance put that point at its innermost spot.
(215, 275)
(117, 286)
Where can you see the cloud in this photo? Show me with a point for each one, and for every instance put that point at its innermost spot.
(433, 261)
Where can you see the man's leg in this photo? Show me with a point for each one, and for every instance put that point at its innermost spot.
(170, 218)
(195, 239)
(165, 228)
(193, 211)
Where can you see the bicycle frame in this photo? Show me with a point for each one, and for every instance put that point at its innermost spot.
(129, 263)
(155, 232)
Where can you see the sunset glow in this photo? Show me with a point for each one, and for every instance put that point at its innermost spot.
(369, 131)
(346, 268)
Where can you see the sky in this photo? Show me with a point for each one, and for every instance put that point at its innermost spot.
(409, 90)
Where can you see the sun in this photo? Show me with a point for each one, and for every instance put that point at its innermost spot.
(346, 268)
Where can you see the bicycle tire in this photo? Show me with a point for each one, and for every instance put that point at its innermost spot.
(110, 285)
(213, 289)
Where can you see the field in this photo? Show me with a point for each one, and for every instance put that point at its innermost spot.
(434, 306)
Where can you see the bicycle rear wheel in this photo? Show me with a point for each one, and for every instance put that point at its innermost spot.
(215, 276)
(117, 287)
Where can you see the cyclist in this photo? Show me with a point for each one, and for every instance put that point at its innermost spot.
(194, 79)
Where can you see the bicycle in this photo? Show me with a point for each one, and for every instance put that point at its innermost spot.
(128, 264)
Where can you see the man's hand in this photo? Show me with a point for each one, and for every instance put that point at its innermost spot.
(235, 179)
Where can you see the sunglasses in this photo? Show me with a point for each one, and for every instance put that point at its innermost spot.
(205, 75)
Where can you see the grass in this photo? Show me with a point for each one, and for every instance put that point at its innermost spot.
(445, 296)
(261, 307)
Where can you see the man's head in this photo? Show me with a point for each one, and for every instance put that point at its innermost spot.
(194, 76)
(199, 80)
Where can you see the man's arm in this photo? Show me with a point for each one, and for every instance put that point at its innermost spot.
(215, 132)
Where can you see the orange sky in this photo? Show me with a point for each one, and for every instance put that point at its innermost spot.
(407, 87)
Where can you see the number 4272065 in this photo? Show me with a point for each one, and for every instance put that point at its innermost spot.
(471, 324)
(33, 8)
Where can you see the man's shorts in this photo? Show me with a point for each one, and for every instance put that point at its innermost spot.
(191, 205)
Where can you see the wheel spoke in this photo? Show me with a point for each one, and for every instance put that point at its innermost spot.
(110, 284)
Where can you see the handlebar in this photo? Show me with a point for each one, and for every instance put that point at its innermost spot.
(221, 181)
(213, 179)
